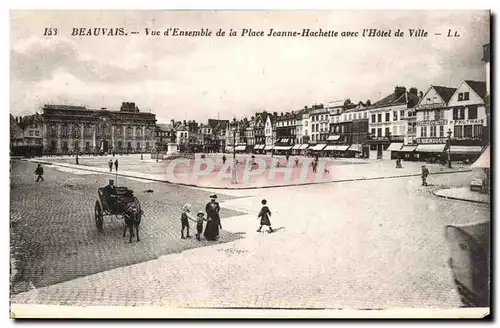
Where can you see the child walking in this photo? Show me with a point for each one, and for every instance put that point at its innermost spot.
(264, 215)
(184, 220)
(199, 224)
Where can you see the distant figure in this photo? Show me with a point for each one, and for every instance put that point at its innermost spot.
(39, 172)
(425, 173)
(116, 165)
(264, 215)
(296, 161)
(398, 163)
(315, 166)
(110, 163)
(287, 157)
(184, 220)
(141, 157)
(223, 159)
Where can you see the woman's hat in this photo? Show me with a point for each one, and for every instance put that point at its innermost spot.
(186, 207)
(214, 196)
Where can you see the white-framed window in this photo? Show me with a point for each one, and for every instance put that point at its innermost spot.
(426, 115)
(433, 130)
(423, 131)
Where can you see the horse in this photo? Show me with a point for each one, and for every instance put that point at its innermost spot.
(132, 217)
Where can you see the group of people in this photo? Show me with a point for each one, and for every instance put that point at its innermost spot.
(110, 164)
(213, 222)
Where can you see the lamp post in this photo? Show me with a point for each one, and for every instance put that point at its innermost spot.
(77, 149)
(234, 126)
(449, 148)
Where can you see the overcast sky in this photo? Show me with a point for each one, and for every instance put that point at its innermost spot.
(200, 78)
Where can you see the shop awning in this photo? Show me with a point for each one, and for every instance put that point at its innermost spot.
(395, 146)
(319, 147)
(408, 148)
(229, 149)
(303, 146)
(282, 147)
(296, 146)
(483, 161)
(256, 147)
(240, 148)
(466, 149)
(342, 147)
(330, 147)
(431, 148)
(356, 147)
(333, 138)
(268, 147)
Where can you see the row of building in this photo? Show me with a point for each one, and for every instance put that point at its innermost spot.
(406, 124)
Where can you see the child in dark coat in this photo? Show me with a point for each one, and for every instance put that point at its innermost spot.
(264, 215)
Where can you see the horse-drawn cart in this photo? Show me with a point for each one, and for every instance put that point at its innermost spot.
(124, 197)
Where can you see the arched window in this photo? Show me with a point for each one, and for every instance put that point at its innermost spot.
(129, 132)
(64, 130)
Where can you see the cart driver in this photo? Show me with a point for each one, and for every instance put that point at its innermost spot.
(110, 194)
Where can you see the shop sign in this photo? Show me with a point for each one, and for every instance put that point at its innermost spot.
(431, 106)
(467, 122)
(433, 122)
(432, 140)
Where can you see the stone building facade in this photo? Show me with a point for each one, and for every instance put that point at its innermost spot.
(71, 129)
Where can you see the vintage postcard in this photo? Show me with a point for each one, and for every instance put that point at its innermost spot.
(264, 164)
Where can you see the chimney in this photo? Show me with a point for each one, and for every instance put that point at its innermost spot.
(399, 91)
(414, 91)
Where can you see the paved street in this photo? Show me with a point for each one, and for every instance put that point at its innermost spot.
(359, 244)
(53, 232)
(339, 169)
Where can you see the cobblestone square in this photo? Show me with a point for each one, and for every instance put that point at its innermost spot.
(359, 244)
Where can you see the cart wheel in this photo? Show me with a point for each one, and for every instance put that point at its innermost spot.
(98, 216)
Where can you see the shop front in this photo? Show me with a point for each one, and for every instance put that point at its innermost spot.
(467, 154)
(395, 148)
(407, 153)
(296, 149)
(268, 149)
(341, 150)
(378, 148)
(258, 149)
(355, 150)
(431, 153)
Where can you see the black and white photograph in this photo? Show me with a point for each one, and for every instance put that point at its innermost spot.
(250, 163)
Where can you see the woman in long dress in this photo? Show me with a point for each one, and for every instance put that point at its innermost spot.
(213, 219)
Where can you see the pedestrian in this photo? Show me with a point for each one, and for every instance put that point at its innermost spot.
(287, 157)
(186, 209)
(223, 159)
(425, 173)
(296, 161)
(398, 163)
(110, 163)
(199, 224)
(264, 215)
(141, 157)
(213, 219)
(116, 165)
(39, 172)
